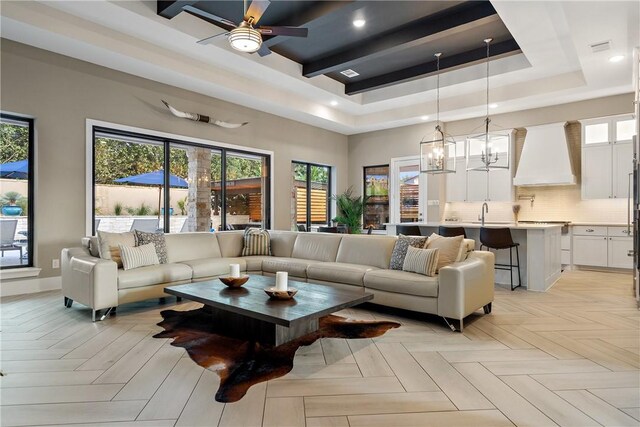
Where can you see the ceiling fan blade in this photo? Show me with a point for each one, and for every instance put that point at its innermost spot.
(255, 11)
(210, 18)
(284, 31)
(208, 40)
(264, 50)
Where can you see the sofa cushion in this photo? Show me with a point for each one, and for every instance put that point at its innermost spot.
(208, 267)
(189, 246)
(421, 261)
(449, 248)
(402, 282)
(254, 262)
(339, 272)
(106, 240)
(282, 242)
(158, 241)
(400, 249)
(316, 246)
(256, 242)
(366, 250)
(231, 243)
(136, 257)
(153, 275)
(293, 266)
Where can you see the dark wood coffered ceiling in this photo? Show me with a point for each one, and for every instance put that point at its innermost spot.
(396, 45)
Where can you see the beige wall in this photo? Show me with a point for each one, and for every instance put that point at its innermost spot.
(562, 203)
(61, 93)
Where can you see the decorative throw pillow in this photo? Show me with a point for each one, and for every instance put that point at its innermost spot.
(421, 261)
(158, 241)
(400, 249)
(449, 248)
(115, 255)
(139, 256)
(106, 240)
(257, 241)
(467, 246)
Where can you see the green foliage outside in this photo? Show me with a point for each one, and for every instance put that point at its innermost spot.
(116, 159)
(14, 143)
(319, 174)
(350, 210)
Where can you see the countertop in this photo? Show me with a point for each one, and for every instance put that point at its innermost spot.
(488, 224)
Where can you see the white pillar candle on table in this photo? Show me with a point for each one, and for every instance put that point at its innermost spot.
(281, 280)
(235, 270)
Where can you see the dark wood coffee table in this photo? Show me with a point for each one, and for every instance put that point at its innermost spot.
(247, 312)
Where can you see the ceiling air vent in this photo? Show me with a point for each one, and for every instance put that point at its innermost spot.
(349, 73)
(600, 47)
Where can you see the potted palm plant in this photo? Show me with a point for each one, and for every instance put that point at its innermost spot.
(9, 202)
(350, 210)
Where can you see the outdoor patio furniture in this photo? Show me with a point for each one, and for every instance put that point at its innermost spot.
(7, 236)
(185, 226)
(327, 229)
(150, 225)
(302, 227)
(96, 224)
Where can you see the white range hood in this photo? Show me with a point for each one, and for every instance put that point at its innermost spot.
(545, 158)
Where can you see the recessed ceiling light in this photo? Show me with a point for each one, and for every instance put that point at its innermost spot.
(616, 58)
(493, 105)
(349, 73)
(334, 103)
(359, 23)
(424, 117)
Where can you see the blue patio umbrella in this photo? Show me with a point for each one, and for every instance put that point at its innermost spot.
(15, 170)
(154, 178)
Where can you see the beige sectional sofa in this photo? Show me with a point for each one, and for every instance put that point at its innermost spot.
(341, 261)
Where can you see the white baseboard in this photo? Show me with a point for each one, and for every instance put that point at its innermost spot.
(29, 286)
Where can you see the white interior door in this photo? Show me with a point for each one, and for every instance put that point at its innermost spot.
(407, 193)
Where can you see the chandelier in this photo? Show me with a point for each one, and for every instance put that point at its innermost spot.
(438, 155)
(489, 150)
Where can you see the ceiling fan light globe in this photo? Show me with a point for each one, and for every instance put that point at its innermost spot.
(245, 39)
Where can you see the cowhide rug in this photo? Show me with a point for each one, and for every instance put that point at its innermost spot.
(241, 364)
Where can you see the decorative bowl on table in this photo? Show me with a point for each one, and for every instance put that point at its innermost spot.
(282, 295)
(234, 282)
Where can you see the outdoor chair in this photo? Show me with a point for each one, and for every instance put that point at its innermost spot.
(149, 225)
(302, 227)
(327, 229)
(7, 236)
(96, 224)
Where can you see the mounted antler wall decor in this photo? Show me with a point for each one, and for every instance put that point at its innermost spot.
(201, 118)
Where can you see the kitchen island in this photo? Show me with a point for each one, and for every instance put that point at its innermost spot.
(540, 249)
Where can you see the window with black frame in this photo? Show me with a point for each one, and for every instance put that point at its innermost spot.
(311, 195)
(16, 198)
(376, 189)
(133, 191)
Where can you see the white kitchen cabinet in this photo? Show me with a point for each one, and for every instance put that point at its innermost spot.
(596, 172)
(590, 250)
(622, 168)
(618, 250)
(606, 157)
(477, 185)
(501, 186)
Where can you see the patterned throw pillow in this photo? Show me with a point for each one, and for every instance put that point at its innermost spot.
(257, 241)
(139, 256)
(421, 261)
(400, 249)
(449, 248)
(106, 240)
(158, 241)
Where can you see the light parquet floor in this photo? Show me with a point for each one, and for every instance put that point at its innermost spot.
(568, 357)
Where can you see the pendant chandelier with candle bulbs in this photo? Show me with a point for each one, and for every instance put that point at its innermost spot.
(438, 155)
(489, 150)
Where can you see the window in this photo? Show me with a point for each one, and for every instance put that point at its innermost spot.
(311, 196)
(133, 191)
(16, 182)
(376, 189)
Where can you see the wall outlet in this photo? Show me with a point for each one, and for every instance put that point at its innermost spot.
(55, 263)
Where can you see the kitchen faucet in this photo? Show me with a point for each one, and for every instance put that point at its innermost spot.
(485, 207)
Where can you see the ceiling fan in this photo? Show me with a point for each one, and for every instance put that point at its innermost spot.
(244, 36)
